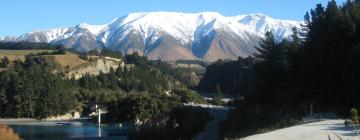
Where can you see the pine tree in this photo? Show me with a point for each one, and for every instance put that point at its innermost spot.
(271, 69)
(268, 50)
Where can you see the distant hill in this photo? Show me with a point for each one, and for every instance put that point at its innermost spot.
(71, 64)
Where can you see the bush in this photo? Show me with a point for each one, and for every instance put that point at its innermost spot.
(187, 96)
(217, 100)
(354, 115)
(7, 133)
(141, 107)
(4, 62)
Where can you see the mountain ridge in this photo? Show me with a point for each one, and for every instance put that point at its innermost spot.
(169, 35)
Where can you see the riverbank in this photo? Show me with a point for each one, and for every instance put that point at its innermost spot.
(324, 130)
(18, 120)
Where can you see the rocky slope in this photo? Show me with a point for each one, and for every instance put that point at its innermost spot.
(94, 67)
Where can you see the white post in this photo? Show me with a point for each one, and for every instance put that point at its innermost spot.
(99, 119)
(99, 114)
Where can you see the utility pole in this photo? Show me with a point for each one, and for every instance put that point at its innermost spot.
(311, 110)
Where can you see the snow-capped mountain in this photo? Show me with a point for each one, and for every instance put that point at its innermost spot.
(170, 35)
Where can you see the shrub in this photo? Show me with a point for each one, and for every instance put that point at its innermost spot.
(7, 133)
(4, 62)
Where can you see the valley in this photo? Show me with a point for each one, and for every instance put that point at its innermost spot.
(184, 76)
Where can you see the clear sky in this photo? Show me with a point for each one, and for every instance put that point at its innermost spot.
(20, 16)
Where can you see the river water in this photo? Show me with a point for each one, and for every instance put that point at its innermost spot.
(69, 131)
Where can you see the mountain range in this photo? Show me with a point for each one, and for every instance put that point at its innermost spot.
(170, 36)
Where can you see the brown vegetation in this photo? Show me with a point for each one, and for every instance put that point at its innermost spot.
(7, 133)
(19, 54)
(68, 59)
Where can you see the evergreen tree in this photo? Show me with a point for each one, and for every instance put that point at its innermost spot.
(270, 70)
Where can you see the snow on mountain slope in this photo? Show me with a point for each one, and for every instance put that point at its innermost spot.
(260, 23)
(45, 36)
(170, 35)
(179, 25)
(8, 38)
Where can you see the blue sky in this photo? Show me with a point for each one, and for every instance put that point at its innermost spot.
(20, 16)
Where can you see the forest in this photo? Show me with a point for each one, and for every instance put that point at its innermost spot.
(236, 78)
(318, 68)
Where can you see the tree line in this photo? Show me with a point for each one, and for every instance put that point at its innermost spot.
(30, 89)
(141, 91)
(28, 46)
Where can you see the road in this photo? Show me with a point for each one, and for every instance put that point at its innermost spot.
(323, 130)
(212, 130)
(218, 113)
